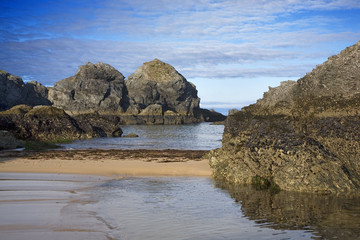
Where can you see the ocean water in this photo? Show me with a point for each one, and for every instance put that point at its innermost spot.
(202, 136)
(180, 208)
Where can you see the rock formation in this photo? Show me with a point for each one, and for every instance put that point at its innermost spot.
(47, 123)
(13, 92)
(94, 88)
(157, 82)
(302, 136)
(155, 94)
(8, 141)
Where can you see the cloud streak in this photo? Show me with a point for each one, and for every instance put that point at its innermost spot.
(209, 39)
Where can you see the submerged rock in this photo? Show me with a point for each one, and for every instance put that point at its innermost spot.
(131, 135)
(302, 136)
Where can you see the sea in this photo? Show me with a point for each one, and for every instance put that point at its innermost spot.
(177, 208)
(201, 136)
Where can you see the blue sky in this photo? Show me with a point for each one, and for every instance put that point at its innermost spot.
(231, 50)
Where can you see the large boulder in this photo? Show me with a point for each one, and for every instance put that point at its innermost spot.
(42, 123)
(302, 136)
(159, 83)
(13, 92)
(94, 88)
(47, 123)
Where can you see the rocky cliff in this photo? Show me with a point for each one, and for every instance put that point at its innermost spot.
(13, 91)
(302, 136)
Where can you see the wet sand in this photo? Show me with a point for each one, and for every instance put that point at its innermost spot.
(108, 162)
(40, 198)
(46, 206)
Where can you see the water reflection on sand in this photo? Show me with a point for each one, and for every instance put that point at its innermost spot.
(53, 206)
(327, 216)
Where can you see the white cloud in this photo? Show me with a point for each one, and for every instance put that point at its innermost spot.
(210, 39)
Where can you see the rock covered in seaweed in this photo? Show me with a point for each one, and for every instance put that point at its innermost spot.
(8, 141)
(47, 123)
(302, 136)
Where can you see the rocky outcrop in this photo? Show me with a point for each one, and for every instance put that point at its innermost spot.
(302, 136)
(155, 94)
(47, 123)
(94, 88)
(13, 92)
(8, 141)
(159, 83)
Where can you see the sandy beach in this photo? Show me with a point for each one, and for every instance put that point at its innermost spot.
(108, 162)
(43, 195)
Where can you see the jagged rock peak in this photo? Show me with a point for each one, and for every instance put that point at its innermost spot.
(157, 71)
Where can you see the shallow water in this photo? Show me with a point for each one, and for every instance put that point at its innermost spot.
(202, 136)
(196, 208)
(55, 206)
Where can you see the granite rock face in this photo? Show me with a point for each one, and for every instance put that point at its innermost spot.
(13, 92)
(94, 88)
(302, 136)
(159, 83)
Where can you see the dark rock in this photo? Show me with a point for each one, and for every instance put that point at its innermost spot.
(94, 88)
(211, 115)
(302, 136)
(35, 94)
(131, 135)
(43, 123)
(47, 123)
(10, 90)
(13, 92)
(159, 83)
(99, 125)
(8, 141)
(155, 94)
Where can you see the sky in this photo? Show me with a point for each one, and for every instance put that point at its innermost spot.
(232, 50)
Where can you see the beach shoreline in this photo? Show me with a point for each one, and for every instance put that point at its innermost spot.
(109, 163)
(45, 194)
